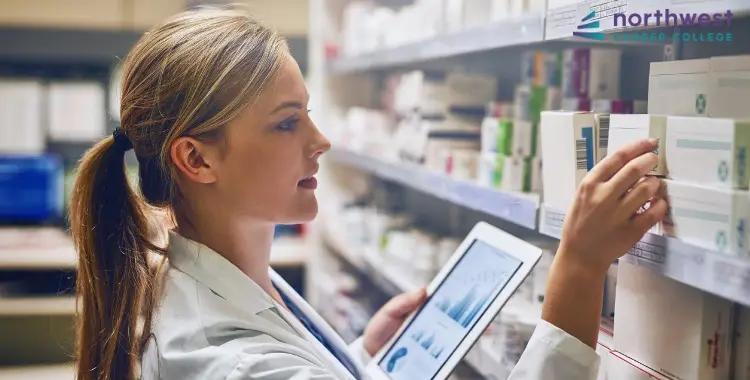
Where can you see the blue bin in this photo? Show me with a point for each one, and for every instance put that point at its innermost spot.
(31, 188)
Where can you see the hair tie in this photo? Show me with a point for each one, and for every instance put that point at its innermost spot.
(122, 141)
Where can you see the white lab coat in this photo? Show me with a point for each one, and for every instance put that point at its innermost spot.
(214, 322)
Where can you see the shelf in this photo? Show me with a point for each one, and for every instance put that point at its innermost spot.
(718, 273)
(517, 208)
(37, 306)
(523, 30)
(38, 372)
(36, 248)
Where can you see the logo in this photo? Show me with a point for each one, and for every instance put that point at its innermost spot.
(700, 104)
(721, 241)
(587, 24)
(723, 171)
(712, 27)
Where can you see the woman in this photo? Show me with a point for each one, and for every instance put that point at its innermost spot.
(215, 108)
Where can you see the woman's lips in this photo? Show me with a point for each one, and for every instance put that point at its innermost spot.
(308, 183)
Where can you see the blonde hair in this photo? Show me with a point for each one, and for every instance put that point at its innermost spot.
(187, 77)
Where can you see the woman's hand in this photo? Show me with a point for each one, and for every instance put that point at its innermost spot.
(602, 225)
(389, 318)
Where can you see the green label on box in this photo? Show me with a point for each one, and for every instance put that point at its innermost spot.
(505, 136)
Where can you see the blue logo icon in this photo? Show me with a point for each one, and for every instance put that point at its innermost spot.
(586, 23)
(723, 171)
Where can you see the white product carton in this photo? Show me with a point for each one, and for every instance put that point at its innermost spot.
(602, 135)
(679, 88)
(568, 153)
(710, 218)
(77, 111)
(670, 327)
(463, 164)
(624, 129)
(610, 287)
(708, 152)
(729, 87)
(453, 15)
(511, 138)
(21, 108)
(510, 173)
(592, 73)
(477, 13)
(500, 10)
(621, 367)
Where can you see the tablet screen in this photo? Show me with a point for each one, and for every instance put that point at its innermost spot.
(450, 313)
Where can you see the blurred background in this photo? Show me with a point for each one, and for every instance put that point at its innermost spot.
(434, 108)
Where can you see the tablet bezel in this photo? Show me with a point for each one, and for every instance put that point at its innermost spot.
(527, 253)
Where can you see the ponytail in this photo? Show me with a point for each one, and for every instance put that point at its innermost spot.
(114, 283)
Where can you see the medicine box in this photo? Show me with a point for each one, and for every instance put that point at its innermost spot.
(540, 68)
(709, 152)
(21, 109)
(711, 218)
(509, 137)
(530, 101)
(591, 73)
(679, 88)
(624, 129)
(602, 135)
(729, 87)
(568, 142)
(510, 173)
(670, 327)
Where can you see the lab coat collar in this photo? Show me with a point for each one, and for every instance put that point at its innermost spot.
(217, 273)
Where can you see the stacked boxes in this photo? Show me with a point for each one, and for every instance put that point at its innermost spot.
(510, 142)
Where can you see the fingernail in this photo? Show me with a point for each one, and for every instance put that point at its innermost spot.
(654, 141)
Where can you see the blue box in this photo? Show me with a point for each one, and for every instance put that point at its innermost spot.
(31, 188)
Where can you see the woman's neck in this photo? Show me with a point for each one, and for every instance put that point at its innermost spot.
(246, 244)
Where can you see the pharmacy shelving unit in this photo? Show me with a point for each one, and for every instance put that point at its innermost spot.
(351, 81)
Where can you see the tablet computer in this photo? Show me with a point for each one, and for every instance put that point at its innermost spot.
(462, 300)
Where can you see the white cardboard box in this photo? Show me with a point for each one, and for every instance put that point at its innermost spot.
(729, 88)
(621, 367)
(708, 152)
(624, 129)
(670, 327)
(21, 108)
(710, 218)
(510, 173)
(679, 88)
(508, 137)
(568, 142)
(77, 111)
(602, 135)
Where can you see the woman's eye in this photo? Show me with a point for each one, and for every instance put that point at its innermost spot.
(288, 125)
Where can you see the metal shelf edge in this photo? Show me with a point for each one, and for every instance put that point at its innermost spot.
(724, 275)
(520, 209)
(525, 29)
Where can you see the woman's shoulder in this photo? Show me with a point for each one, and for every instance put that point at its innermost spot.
(196, 330)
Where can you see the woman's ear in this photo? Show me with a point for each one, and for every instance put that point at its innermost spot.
(193, 160)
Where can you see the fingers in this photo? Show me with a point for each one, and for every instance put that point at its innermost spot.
(615, 161)
(633, 171)
(404, 303)
(647, 219)
(640, 194)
